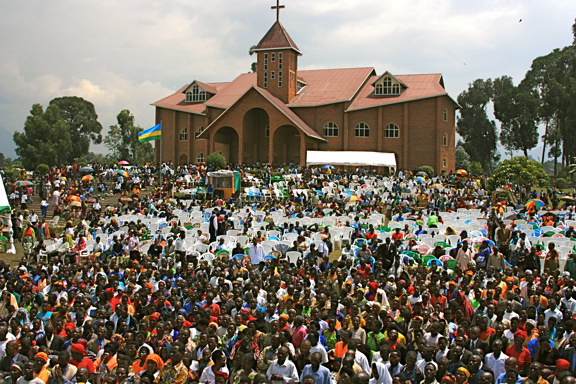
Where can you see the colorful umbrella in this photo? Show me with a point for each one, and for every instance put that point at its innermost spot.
(462, 172)
(352, 198)
(122, 172)
(535, 203)
(123, 162)
(87, 178)
(23, 183)
(420, 179)
(73, 198)
(75, 204)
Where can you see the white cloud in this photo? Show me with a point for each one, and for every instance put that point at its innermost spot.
(128, 54)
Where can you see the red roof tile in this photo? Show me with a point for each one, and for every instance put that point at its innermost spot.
(418, 87)
(277, 38)
(327, 86)
(233, 91)
(177, 100)
(207, 87)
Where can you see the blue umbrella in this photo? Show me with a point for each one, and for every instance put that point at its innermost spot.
(328, 166)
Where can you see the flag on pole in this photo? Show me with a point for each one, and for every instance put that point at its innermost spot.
(150, 134)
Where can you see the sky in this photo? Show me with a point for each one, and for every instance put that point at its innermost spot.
(127, 54)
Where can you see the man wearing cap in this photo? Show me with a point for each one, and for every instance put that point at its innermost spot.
(79, 359)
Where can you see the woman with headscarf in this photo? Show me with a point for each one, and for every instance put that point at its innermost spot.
(462, 375)
(154, 364)
(140, 365)
(464, 305)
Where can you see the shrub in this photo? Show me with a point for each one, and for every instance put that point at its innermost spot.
(215, 161)
(475, 168)
(426, 168)
(519, 171)
(43, 169)
(562, 183)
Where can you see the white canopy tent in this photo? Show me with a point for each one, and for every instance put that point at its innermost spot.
(6, 215)
(352, 158)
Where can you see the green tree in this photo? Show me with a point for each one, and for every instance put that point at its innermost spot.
(462, 157)
(517, 110)
(518, 171)
(475, 168)
(82, 120)
(46, 138)
(122, 140)
(254, 65)
(474, 126)
(215, 161)
(552, 79)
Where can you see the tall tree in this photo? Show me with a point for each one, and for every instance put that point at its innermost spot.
(476, 129)
(122, 140)
(552, 79)
(46, 138)
(254, 65)
(82, 120)
(517, 110)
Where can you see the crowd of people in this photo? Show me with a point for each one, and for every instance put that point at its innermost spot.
(116, 301)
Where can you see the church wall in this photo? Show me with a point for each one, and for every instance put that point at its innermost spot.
(370, 117)
(422, 134)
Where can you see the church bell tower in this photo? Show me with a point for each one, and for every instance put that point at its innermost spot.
(278, 61)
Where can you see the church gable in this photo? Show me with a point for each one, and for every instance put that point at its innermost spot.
(388, 85)
(198, 92)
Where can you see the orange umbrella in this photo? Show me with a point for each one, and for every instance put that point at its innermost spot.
(87, 178)
(461, 172)
(73, 198)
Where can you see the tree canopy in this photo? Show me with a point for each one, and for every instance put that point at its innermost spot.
(82, 120)
(474, 126)
(122, 140)
(46, 138)
(520, 171)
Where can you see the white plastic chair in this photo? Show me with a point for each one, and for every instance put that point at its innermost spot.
(293, 256)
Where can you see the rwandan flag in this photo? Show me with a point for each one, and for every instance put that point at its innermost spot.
(150, 134)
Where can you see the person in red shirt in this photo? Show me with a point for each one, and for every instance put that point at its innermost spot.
(485, 330)
(79, 359)
(214, 308)
(300, 331)
(521, 353)
(397, 235)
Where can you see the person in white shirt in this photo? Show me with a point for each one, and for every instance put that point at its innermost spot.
(323, 247)
(256, 252)
(282, 370)
(495, 360)
(180, 245)
(552, 311)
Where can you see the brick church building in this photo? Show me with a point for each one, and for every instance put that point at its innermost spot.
(278, 113)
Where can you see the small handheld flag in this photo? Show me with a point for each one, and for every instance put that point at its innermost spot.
(150, 134)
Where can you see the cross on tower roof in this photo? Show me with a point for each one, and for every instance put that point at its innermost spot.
(277, 7)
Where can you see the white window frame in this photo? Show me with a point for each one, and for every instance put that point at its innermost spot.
(265, 79)
(280, 61)
(196, 94)
(184, 134)
(444, 163)
(387, 86)
(330, 129)
(392, 131)
(445, 115)
(362, 130)
(265, 61)
(273, 57)
(279, 78)
(272, 75)
(445, 140)
(200, 158)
